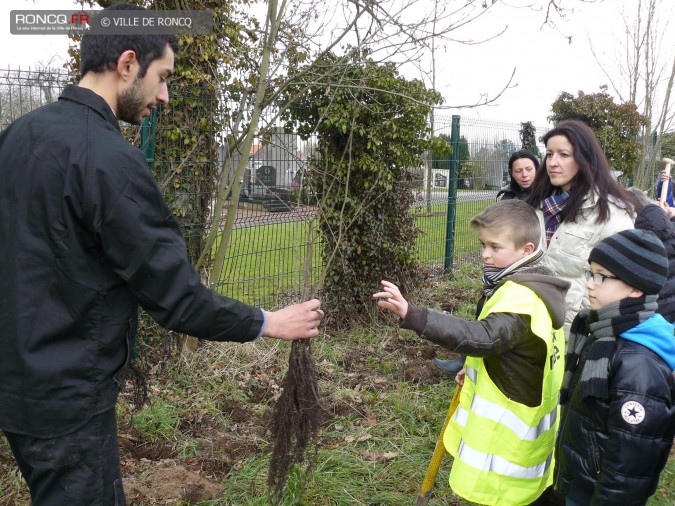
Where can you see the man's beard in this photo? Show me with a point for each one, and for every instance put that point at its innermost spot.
(131, 103)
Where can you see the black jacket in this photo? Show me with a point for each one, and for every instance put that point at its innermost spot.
(513, 191)
(611, 451)
(514, 356)
(85, 236)
(653, 218)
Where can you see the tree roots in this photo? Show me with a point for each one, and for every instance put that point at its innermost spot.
(296, 418)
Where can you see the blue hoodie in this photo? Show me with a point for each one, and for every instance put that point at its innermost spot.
(656, 334)
(669, 196)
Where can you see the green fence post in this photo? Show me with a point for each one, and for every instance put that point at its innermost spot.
(148, 136)
(452, 196)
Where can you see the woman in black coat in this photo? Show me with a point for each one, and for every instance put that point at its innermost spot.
(523, 165)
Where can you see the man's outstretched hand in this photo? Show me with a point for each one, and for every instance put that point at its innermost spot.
(297, 321)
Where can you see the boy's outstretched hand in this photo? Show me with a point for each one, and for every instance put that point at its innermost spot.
(391, 299)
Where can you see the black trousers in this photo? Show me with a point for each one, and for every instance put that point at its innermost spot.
(80, 468)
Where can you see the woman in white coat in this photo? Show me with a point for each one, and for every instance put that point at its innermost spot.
(579, 203)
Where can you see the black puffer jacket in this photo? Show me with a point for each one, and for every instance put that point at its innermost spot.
(513, 191)
(653, 218)
(610, 452)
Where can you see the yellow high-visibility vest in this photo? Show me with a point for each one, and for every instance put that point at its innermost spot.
(503, 450)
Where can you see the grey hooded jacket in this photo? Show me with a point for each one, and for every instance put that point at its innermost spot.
(514, 356)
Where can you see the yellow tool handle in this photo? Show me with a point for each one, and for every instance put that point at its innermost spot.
(439, 453)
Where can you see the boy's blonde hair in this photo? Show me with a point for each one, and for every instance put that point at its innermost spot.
(518, 219)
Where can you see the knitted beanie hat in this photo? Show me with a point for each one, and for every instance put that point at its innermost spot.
(637, 257)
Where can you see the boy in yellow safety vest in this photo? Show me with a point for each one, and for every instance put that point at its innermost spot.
(503, 433)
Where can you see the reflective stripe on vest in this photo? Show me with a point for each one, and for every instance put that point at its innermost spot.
(504, 416)
(496, 464)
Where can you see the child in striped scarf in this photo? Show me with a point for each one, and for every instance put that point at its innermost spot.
(618, 394)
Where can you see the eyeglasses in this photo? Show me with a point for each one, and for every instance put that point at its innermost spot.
(598, 278)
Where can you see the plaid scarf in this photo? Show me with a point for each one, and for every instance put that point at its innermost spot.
(592, 341)
(493, 276)
(552, 208)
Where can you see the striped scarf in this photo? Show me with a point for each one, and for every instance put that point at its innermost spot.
(552, 208)
(493, 276)
(592, 341)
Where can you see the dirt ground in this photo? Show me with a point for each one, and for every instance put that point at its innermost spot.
(156, 474)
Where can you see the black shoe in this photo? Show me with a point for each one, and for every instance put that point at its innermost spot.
(450, 366)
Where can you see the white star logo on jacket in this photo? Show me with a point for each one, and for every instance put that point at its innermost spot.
(633, 412)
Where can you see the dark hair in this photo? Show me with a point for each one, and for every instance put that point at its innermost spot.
(594, 173)
(521, 153)
(99, 53)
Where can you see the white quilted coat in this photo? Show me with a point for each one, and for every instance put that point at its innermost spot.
(567, 253)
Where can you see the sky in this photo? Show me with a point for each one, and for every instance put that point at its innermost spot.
(32, 50)
(545, 62)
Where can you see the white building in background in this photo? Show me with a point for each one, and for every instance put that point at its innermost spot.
(272, 162)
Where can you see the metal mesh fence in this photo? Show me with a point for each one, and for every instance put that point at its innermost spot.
(267, 252)
(483, 149)
(270, 248)
(22, 90)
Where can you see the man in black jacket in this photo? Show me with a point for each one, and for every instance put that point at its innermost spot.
(85, 237)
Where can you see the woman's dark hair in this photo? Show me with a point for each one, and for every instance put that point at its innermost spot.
(99, 53)
(594, 173)
(517, 155)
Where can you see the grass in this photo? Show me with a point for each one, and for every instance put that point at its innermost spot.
(432, 221)
(158, 421)
(209, 410)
